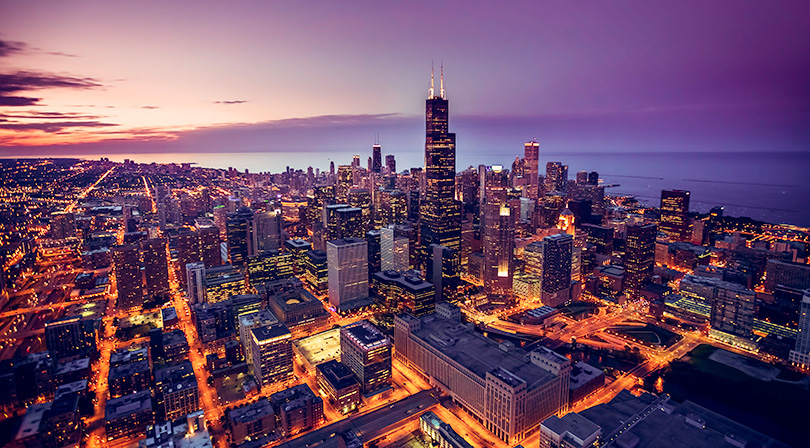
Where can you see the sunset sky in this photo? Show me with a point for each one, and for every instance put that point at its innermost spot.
(155, 76)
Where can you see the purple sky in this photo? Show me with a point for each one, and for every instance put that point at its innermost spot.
(103, 76)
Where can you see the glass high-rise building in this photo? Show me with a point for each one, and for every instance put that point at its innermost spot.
(531, 168)
(557, 252)
(376, 159)
(440, 212)
(639, 251)
(128, 278)
(674, 219)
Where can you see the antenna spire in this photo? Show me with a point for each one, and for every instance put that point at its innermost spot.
(430, 91)
(441, 81)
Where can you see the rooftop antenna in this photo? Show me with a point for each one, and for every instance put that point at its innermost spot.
(430, 92)
(441, 81)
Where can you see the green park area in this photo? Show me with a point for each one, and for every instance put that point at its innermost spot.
(743, 389)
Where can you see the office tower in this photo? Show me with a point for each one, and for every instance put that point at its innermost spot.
(188, 248)
(533, 258)
(349, 223)
(582, 177)
(557, 251)
(332, 167)
(361, 198)
(210, 250)
(367, 352)
(509, 390)
(393, 207)
(786, 274)
(156, 267)
(297, 409)
(356, 161)
(70, 336)
(322, 195)
(268, 226)
(391, 163)
(241, 236)
(249, 321)
(440, 220)
(498, 237)
(331, 221)
(674, 220)
(376, 159)
(556, 177)
(601, 237)
(639, 251)
(348, 271)
(128, 278)
(345, 182)
(374, 240)
(443, 272)
(195, 282)
(800, 355)
(593, 178)
(297, 248)
(733, 310)
(398, 292)
(176, 391)
(62, 225)
(223, 282)
(316, 270)
(531, 169)
(394, 250)
(269, 266)
(272, 354)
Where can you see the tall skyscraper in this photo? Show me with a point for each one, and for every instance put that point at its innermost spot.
(241, 236)
(195, 282)
(531, 169)
(268, 225)
(127, 265)
(498, 237)
(556, 177)
(674, 219)
(347, 261)
(557, 251)
(441, 213)
(210, 248)
(345, 182)
(156, 267)
(639, 261)
(188, 248)
(394, 252)
(391, 163)
(376, 159)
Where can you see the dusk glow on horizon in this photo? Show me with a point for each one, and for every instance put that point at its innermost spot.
(80, 77)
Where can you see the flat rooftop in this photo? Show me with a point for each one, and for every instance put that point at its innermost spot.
(267, 333)
(583, 373)
(129, 369)
(478, 353)
(320, 347)
(29, 426)
(346, 242)
(251, 412)
(571, 423)
(128, 405)
(365, 334)
(661, 429)
(337, 374)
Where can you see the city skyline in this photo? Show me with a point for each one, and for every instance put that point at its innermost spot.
(266, 78)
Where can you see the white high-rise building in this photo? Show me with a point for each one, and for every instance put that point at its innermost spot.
(801, 353)
(195, 279)
(394, 250)
(347, 261)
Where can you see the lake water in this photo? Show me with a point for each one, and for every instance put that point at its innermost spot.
(773, 187)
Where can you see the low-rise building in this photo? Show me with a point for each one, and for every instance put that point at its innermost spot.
(340, 386)
(570, 431)
(128, 416)
(297, 408)
(293, 305)
(126, 379)
(252, 421)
